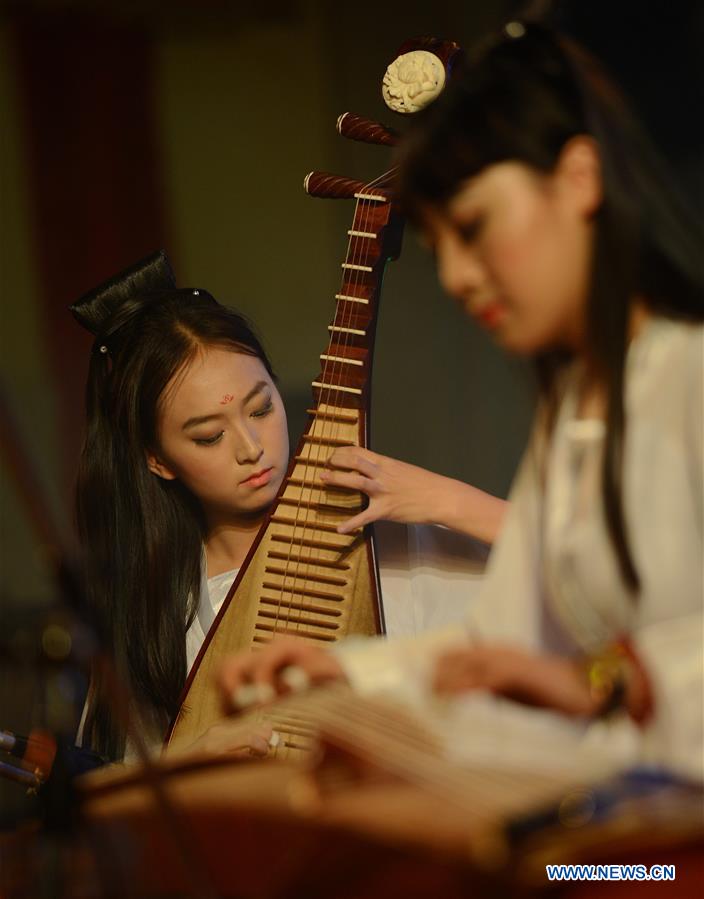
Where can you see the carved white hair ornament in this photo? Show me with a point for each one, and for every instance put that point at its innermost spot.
(412, 81)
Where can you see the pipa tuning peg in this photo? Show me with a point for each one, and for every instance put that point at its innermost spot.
(336, 187)
(356, 127)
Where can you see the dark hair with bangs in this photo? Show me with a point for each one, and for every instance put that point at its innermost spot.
(141, 535)
(522, 98)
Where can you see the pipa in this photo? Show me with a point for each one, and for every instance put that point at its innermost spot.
(300, 576)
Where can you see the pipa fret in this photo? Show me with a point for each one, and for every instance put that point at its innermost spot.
(333, 416)
(309, 461)
(307, 576)
(314, 594)
(311, 525)
(325, 441)
(300, 607)
(321, 507)
(314, 544)
(282, 615)
(295, 632)
(310, 560)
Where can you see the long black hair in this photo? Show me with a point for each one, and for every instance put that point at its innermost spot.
(522, 96)
(141, 535)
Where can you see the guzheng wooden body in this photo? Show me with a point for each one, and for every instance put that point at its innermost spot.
(356, 821)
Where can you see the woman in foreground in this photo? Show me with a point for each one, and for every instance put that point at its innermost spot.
(552, 227)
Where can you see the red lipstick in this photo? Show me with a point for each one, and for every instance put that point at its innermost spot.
(491, 316)
(258, 479)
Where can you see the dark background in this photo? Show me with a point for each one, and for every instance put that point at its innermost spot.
(189, 125)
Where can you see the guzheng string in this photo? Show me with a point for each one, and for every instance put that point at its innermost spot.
(379, 734)
(387, 736)
(326, 430)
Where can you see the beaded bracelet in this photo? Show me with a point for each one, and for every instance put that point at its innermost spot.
(608, 675)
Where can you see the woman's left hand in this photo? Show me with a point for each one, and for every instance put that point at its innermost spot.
(538, 680)
(399, 491)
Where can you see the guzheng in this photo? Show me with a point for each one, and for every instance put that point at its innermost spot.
(359, 816)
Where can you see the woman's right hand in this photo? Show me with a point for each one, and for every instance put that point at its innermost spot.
(287, 664)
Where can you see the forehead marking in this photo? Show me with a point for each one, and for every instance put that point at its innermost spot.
(228, 398)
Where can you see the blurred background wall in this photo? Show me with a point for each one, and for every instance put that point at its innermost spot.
(189, 124)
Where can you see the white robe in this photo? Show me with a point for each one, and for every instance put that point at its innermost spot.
(553, 582)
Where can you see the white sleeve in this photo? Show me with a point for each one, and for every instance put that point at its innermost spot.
(669, 632)
(673, 657)
(429, 575)
(506, 608)
(400, 667)
(511, 607)
(664, 493)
